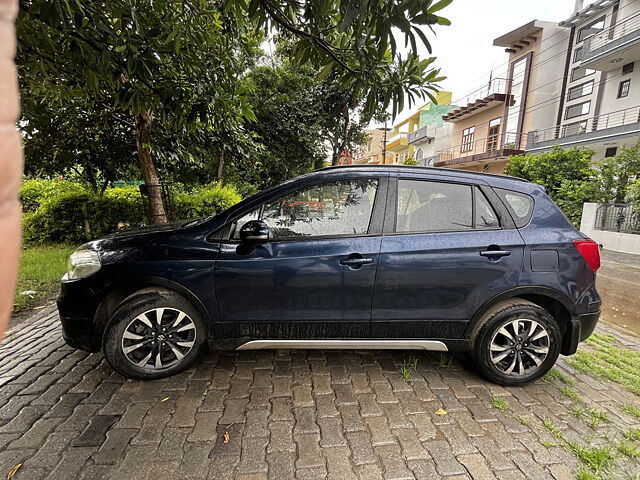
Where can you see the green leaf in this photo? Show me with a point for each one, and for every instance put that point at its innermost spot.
(439, 5)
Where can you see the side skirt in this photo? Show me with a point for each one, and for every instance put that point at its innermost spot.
(432, 345)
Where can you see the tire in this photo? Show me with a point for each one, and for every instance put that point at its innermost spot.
(134, 338)
(509, 359)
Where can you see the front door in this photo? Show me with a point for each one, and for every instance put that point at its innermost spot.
(314, 277)
(446, 253)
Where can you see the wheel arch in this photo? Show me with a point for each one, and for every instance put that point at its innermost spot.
(557, 304)
(113, 297)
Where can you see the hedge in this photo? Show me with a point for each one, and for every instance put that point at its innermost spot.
(56, 212)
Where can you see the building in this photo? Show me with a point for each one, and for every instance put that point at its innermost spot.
(600, 102)
(411, 136)
(372, 151)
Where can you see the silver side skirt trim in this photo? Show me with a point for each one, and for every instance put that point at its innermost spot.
(432, 345)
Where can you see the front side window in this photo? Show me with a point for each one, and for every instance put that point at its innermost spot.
(425, 206)
(343, 207)
(467, 139)
(578, 109)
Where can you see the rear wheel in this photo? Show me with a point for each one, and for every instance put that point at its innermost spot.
(154, 334)
(517, 342)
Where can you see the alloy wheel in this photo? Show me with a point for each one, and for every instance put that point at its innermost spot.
(158, 338)
(519, 347)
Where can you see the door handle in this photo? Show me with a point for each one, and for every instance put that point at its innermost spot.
(355, 261)
(495, 253)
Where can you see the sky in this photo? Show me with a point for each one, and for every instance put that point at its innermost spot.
(465, 51)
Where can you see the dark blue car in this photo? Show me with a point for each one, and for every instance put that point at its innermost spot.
(387, 257)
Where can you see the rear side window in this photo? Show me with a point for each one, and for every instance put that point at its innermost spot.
(425, 206)
(520, 205)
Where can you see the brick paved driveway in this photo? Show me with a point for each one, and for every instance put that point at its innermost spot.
(289, 414)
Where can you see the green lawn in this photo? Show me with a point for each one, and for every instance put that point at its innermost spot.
(40, 270)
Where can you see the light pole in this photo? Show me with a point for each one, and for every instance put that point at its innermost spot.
(384, 144)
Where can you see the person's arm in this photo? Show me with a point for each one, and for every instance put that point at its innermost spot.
(10, 163)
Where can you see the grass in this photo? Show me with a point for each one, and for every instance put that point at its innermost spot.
(40, 270)
(596, 459)
(523, 420)
(633, 434)
(405, 373)
(570, 393)
(596, 416)
(445, 360)
(630, 409)
(618, 364)
(628, 450)
(500, 403)
(555, 374)
(408, 365)
(553, 430)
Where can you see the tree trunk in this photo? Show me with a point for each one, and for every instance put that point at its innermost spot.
(148, 168)
(221, 167)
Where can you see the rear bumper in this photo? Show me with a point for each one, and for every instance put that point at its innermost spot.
(579, 329)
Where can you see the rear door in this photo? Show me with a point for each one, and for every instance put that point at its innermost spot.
(447, 248)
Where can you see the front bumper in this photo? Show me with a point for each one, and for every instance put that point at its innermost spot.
(578, 330)
(76, 306)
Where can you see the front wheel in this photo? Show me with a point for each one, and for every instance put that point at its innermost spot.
(154, 334)
(516, 343)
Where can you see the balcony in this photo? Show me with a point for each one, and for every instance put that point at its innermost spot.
(492, 94)
(481, 150)
(397, 142)
(608, 126)
(613, 47)
(418, 135)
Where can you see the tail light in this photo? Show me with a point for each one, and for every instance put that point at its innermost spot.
(590, 251)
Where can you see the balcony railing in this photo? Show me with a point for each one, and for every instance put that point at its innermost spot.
(497, 85)
(397, 137)
(613, 33)
(494, 143)
(601, 122)
(418, 135)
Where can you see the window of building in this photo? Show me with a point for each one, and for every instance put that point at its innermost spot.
(577, 54)
(627, 68)
(577, 109)
(493, 134)
(329, 209)
(581, 72)
(610, 152)
(580, 90)
(425, 206)
(419, 155)
(591, 29)
(467, 139)
(574, 128)
(623, 88)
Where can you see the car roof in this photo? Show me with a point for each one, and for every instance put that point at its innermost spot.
(449, 172)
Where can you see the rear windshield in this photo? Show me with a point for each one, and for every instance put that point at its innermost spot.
(520, 205)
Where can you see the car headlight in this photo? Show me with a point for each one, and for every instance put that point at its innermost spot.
(82, 263)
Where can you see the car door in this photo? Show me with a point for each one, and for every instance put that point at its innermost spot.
(447, 248)
(314, 277)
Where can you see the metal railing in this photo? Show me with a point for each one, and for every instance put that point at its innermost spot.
(618, 217)
(496, 85)
(613, 33)
(502, 141)
(418, 134)
(601, 122)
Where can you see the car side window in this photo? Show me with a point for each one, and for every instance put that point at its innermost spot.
(426, 206)
(520, 205)
(341, 207)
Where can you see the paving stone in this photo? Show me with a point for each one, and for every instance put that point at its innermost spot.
(361, 448)
(321, 384)
(360, 383)
(253, 458)
(79, 419)
(374, 372)
(526, 464)
(172, 444)
(383, 392)
(338, 464)
(344, 394)
(369, 472)
(479, 411)
(339, 375)
(326, 406)
(25, 419)
(115, 446)
(380, 432)
(185, 414)
(496, 459)
(305, 420)
(233, 447)
(262, 378)
(52, 395)
(223, 468)
(239, 388)
(316, 473)
(457, 439)
(331, 433)
(234, 411)
(72, 463)
(256, 423)
(395, 415)
(282, 387)
(205, 428)
(302, 396)
(410, 444)
(281, 409)
(94, 434)
(477, 466)
(561, 472)
(369, 407)
(213, 401)
(446, 463)
(352, 421)
(281, 437)
(308, 451)
(423, 469)
(133, 416)
(35, 437)
(281, 465)
(394, 466)
(409, 402)
(13, 407)
(41, 384)
(259, 397)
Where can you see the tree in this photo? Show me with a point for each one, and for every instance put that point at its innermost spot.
(617, 174)
(173, 66)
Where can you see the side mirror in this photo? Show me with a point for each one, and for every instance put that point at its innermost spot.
(254, 231)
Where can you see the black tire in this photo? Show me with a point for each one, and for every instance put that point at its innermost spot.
(519, 351)
(129, 317)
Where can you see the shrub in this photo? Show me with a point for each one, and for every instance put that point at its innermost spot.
(205, 201)
(34, 191)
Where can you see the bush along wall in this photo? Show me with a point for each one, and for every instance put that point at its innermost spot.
(60, 212)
